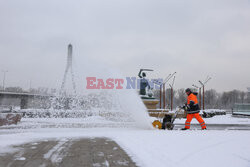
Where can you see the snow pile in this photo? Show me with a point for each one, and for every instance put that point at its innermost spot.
(213, 111)
(87, 122)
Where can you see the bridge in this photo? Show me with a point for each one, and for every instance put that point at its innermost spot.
(42, 99)
(23, 98)
(26, 100)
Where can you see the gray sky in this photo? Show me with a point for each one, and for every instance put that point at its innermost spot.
(192, 37)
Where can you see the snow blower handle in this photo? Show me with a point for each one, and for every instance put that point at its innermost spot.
(184, 107)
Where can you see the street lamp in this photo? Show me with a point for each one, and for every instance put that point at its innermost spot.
(164, 89)
(172, 93)
(4, 75)
(199, 93)
(203, 90)
(162, 86)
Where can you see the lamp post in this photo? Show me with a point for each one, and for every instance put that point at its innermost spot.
(203, 90)
(164, 95)
(160, 96)
(163, 92)
(172, 94)
(4, 75)
(162, 86)
(203, 97)
(199, 93)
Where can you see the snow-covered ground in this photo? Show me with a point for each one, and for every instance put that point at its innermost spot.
(98, 121)
(147, 147)
(154, 147)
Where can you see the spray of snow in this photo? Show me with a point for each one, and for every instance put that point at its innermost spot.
(117, 106)
(131, 103)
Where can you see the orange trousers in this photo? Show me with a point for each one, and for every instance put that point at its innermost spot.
(199, 119)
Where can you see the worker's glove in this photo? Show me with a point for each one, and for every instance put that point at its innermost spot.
(182, 107)
(185, 107)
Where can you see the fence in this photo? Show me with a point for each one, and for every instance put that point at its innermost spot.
(241, 109)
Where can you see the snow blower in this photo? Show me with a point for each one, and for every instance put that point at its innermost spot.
(167, 122)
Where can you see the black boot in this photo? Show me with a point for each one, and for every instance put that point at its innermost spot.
(184, 129)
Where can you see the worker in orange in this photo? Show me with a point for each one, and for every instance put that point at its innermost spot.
(193, 110)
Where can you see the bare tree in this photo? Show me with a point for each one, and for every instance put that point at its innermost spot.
(211, 98)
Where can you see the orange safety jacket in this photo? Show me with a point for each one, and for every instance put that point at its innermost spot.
(192, 102)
